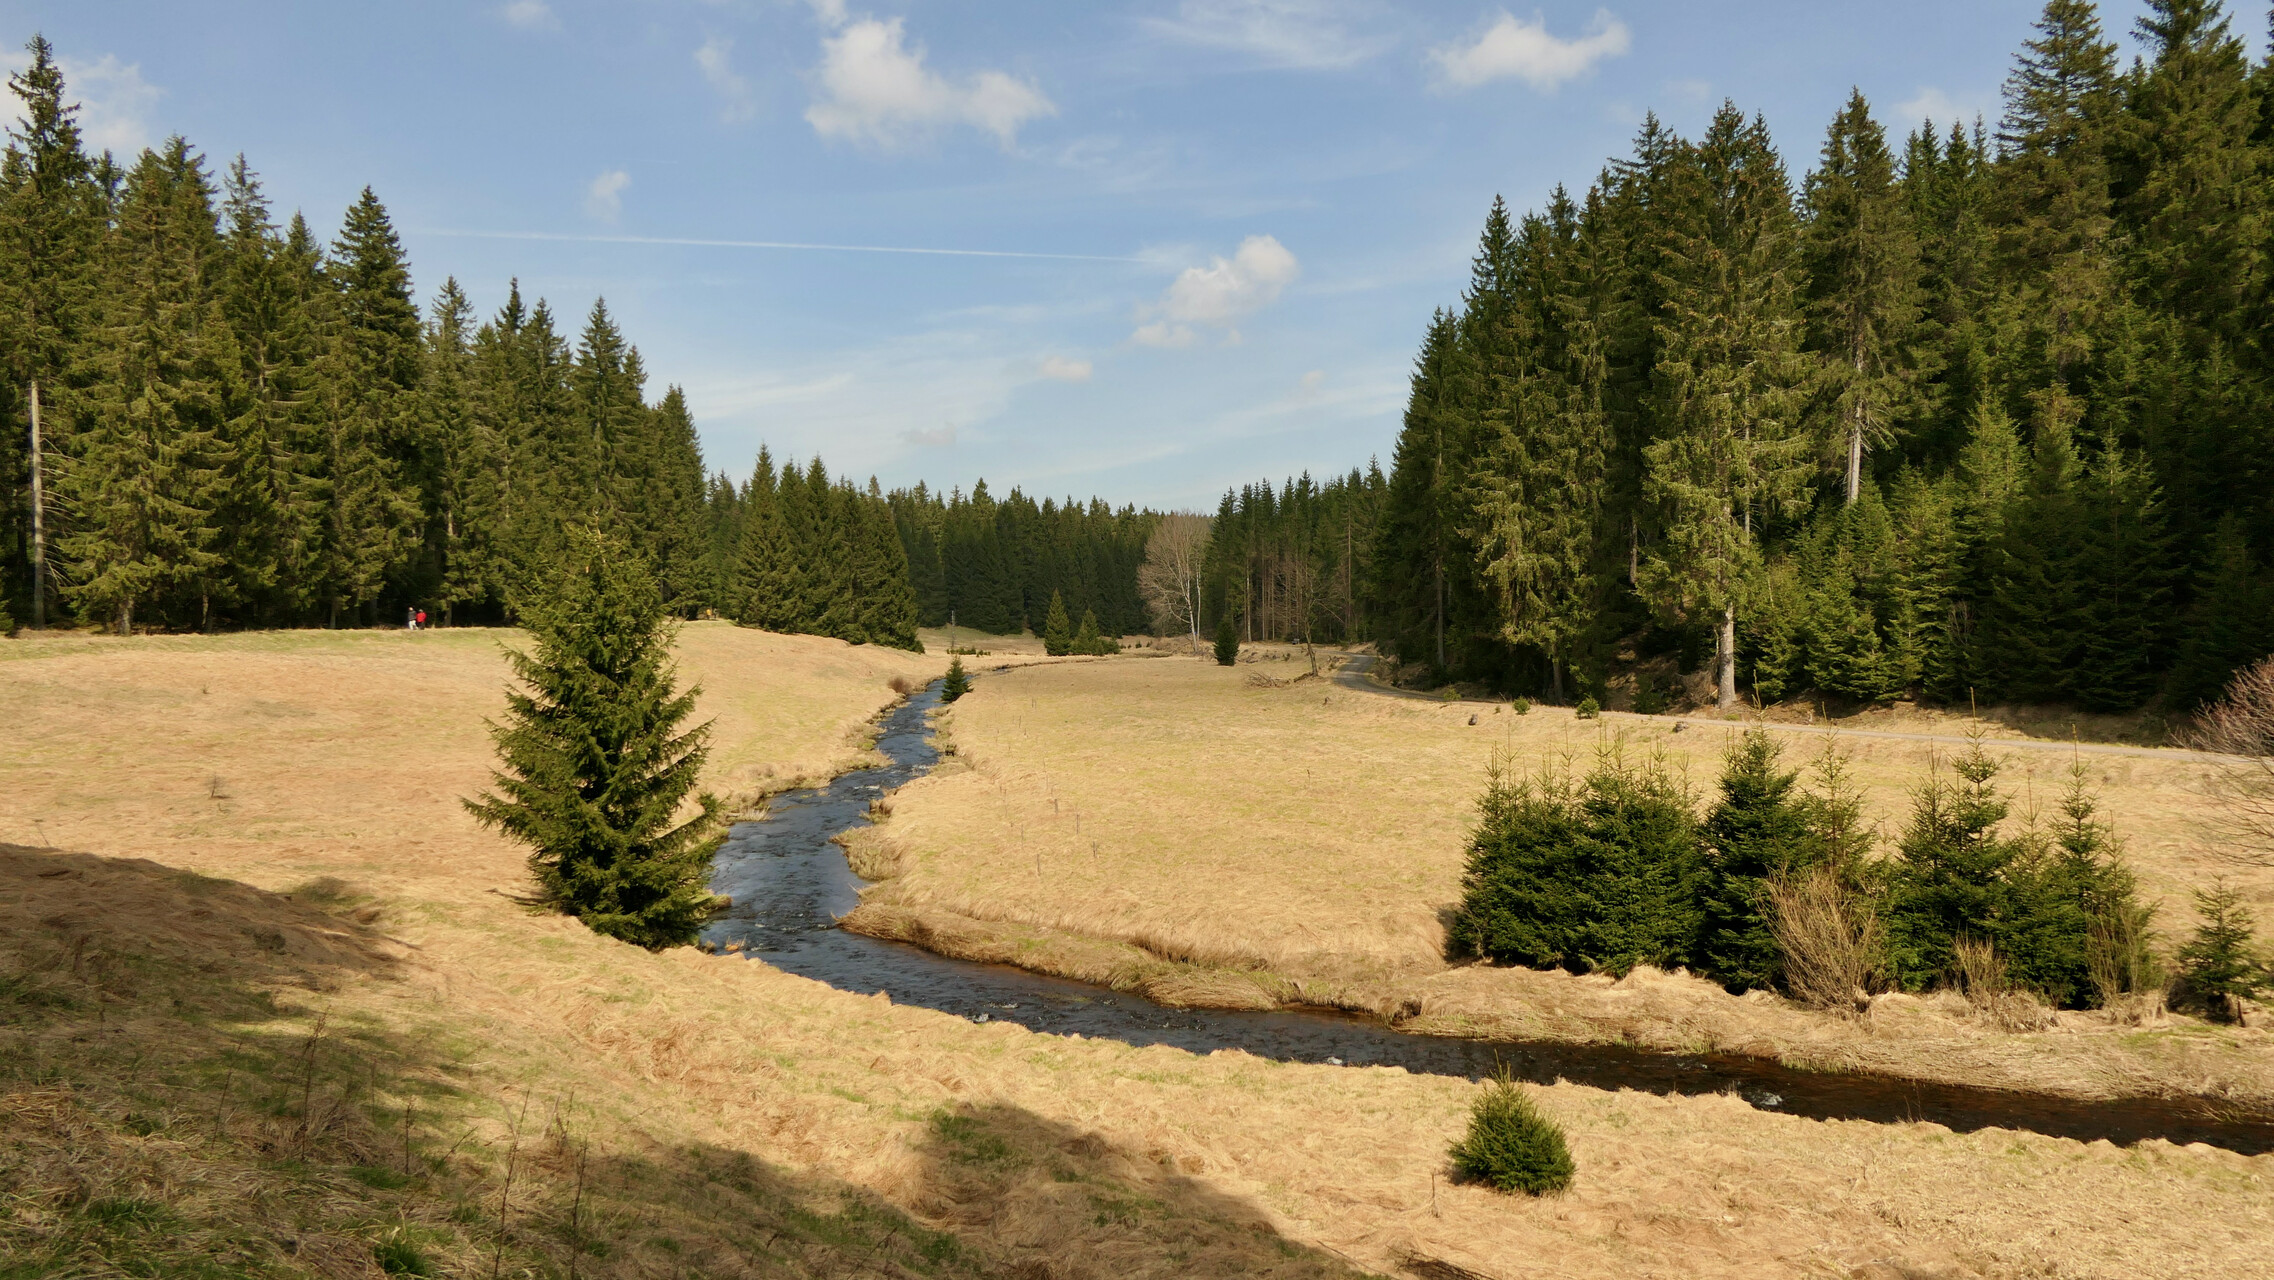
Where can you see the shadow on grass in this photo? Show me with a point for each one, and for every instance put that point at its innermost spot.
(180, 1096)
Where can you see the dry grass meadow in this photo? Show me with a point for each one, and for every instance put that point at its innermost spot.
(267, 1005)
(1242, 837)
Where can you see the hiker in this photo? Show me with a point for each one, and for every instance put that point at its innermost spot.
(410, 619)
(422, 619)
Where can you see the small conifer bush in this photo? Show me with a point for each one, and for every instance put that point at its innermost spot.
(957, 683)
(1511, 1146)
(1522, 706)
(2219, 968)
(1057, 630)
(1227, 642)
(1588, 708)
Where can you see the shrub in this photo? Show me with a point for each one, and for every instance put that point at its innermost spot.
(1827, 938)
(957, 683)
(1521, 706)
(1588, 708)
(2219, 967)
(1227, 642)
(1511, 1146)
(1650, 696)
(1604, 875)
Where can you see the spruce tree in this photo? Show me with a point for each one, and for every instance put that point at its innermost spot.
(1227, 641)
(957, 682)
(595, 764)
(1948, 878)
(770, 581)
(2219, 966)
(49, 223)
(1862, 267)
(1729, 454)
(1086, 638)
(1057, 632)
(1757, 832)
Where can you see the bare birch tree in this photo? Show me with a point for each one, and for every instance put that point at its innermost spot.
(1170, 576)
(2240, 727)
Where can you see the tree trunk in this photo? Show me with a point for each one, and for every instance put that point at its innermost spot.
(39, 527)
(1440, 574)
(1855, 460)
(1725, 658)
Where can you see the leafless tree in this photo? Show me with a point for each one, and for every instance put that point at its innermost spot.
(1170, 576)
(2240, 728)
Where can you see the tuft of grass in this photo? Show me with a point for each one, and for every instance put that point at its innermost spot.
(1511, 1146)
(399, 1257)
(967, 1141)
(127, 1213)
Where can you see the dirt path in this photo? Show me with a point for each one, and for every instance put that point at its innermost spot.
(1355, 672)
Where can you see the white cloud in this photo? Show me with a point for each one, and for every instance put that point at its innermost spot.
(114, 102)
(1525, 50)
(604, 199)
(1218, 294)
(1160, 333)
(1931, 103)
(529, 15)
(1065, 369)
(936, 438)
(874, 87)
(735, 101)
(1310, 34)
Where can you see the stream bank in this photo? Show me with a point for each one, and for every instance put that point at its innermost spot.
(790, 885)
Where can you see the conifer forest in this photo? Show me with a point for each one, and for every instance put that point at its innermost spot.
(1974, 413)
(1981, 411)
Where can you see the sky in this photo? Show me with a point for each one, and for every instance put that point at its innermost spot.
(1143, 249)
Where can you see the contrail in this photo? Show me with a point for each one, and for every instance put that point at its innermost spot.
(774, 244)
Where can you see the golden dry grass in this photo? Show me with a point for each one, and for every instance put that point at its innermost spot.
(1203, 835)
(749, 1122)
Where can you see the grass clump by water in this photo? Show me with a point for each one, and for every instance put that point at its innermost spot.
(1511, 1146)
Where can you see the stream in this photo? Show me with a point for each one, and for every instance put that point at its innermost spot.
(789, 886)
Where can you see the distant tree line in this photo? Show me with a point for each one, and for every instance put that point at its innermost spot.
(1294, 563)
(993, 564)
(1975, 412)
(221, 423)
(798, 552)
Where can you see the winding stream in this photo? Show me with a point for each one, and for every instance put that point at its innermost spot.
(790, 884)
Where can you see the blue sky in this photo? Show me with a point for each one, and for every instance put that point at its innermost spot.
(1237, 215)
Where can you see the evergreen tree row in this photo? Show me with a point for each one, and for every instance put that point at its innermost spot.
(1295, 563)
(1975, 412)
(814, 556)
(1618, 869)
(239, 425)
(994, 565)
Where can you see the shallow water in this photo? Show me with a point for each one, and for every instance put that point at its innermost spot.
(790, 884)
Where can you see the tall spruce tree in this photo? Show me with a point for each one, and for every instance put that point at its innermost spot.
(1861, 264)
(596, 765)
(1730, 454)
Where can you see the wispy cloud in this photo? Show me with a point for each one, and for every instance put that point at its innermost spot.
(1939, 106)
(1308, 34)
(604, 199)
(1511, 47)
(707, 243)
(1217, 295)
(940, 437)
(114, 102)
(1064, 369)
(529, 15)
(736, 103)
(873, 87)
